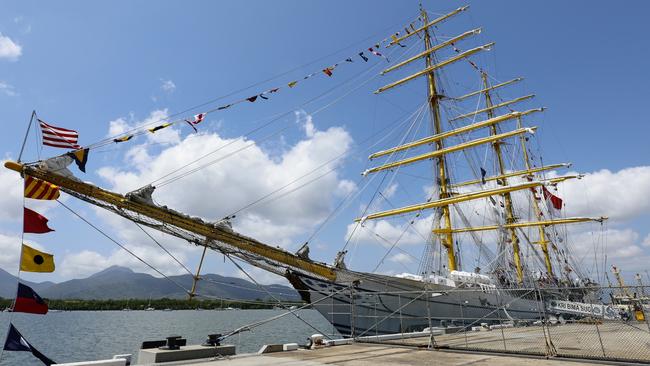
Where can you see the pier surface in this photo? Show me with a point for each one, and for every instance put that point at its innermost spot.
(610, 341)
(575, 344)
(363, 354)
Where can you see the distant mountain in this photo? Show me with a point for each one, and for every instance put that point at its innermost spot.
(8, 284)
(119, 283)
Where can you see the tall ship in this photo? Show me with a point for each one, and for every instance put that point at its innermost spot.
(496, 234)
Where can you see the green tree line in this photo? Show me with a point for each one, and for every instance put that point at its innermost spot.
(158, 304)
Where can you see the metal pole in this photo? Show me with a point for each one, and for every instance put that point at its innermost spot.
(500, 304)
(600, 339)
(462, 316)
(426, 298)
(29, 126)
(550, 347)
(196, 278)
(352, 311)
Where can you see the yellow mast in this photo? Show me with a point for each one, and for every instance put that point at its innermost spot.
(431, 67)
(543, 242)
(435, 48)
(446, 150)
(523, 173)
(490, 108)
(447, 239)
(469, 196)
(486, 89)
(214, 233)
(428, 24)
(444, 135)
(510, 217)
(569, 220)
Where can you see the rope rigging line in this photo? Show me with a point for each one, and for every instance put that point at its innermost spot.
(413, 129)
(268, 320)
(205, 279)
(409, 225)
(163, 248)
(162, 274)
(274, 298)
(134, 131)
(407, 221)
(381, 182)
(394, 244)
(338, 157)
(512, 159)
(122, 246)
(362, 74)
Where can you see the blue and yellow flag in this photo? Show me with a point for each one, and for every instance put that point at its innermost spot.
(80, 157)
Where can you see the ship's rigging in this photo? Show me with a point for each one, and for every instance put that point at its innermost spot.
(510, 193)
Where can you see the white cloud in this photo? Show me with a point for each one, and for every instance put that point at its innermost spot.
(622, 247)
(82, 264)
(390, 191)
(87, 262)
(646, 241)
(261, 276)
(168, 86)
(7, 89)
(169, 135)
(384, 231)
(620, 243)
(9, 252)
(118, 126)
(305, 120)
(346, 187)
(619, 195)
(9, 49)
(10, 246)
(11, 201)
(401, 258)
(220, 189)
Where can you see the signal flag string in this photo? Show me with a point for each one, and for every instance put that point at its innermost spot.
(264, 95)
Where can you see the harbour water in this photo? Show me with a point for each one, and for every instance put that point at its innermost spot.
(89, 335)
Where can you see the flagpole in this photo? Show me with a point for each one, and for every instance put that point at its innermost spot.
(20, 260)
(31, 119)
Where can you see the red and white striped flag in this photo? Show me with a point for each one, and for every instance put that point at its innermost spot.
(59, 137)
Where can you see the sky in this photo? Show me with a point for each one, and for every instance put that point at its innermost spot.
(102, 68)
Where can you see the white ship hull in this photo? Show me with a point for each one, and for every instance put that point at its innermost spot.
(367, 304)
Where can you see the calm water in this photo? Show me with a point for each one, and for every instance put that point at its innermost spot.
(91, 335)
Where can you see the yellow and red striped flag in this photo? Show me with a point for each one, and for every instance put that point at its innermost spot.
(40, 189)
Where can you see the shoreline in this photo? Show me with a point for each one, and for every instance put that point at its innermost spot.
(56, 305)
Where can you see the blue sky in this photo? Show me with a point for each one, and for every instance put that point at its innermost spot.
(84, 64)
